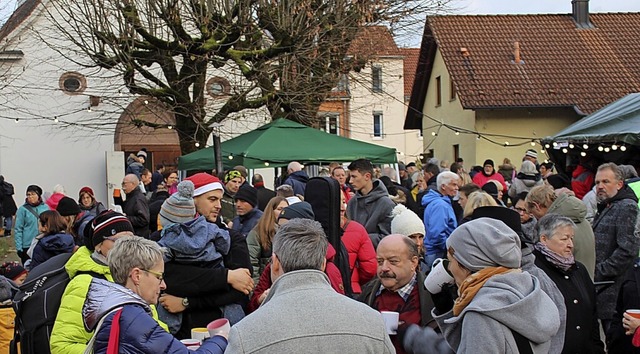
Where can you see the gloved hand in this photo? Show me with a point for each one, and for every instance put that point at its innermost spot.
(443, 301)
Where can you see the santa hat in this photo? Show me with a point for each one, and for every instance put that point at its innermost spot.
(204, 182)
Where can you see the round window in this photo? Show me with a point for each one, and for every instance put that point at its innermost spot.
(218, 86)
(73, 83)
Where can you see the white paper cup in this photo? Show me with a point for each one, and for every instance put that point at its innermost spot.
(200, 333)
(391, 319)
(190, 342)
(221, 325)
(438, 276)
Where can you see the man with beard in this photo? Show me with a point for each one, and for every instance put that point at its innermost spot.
(489, 173)
(616, 242)
(398, 286)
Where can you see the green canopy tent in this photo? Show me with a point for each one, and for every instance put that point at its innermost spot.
(282, 141)
(609, 134)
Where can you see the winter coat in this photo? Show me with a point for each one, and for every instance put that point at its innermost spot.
(628, 298)
(582, 334)
(53, 200)
(264, 196)
(507, 171)
(589, 200)
(197, 241)
(581, 181)
(207, 288)
(139, 332)
(49, 246)
(155, 204)
(524, 183)
(228, 207)
(95, 209)
(331, 271)
(584, 244)
(26, 227)
(439, 221)
(373, 211)
(259, 257)
(7, 204)
(299, 299)
(529, 230)
(617, 245)
(245, 223)
(369, 291)
(362, 256)
(505, 303)
(480, 179)
(298, 181)
(136, 208)
(133, 166)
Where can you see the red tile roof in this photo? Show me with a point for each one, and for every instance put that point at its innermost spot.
(373, 41)
(16, 18)
(410, 65)
(562, 65)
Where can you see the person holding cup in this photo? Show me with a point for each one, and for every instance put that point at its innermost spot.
(137, 267)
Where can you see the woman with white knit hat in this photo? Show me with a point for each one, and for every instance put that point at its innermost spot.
(406, 222)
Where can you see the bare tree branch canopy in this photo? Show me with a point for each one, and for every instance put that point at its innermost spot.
(287, 54)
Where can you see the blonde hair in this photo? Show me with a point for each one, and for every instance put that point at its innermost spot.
(543, 195)
(478, 199)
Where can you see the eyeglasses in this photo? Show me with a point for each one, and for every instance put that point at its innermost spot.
(159, 276)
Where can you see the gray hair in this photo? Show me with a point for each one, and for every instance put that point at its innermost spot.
(412, 247)
(446, 177)
(548, 224)
(614, 168)
(130, 252)
(300, 244)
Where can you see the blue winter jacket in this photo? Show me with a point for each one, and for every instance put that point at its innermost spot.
(298, 181)
(51, 245)
(439, 221)
(139, 332)
(245, 223)
(27, 225)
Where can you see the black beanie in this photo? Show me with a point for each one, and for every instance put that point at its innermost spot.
(301, 210)
(491, 189)
(488, 162)
(106, 224)
(35, 189)
(67, 207)
(248, 194)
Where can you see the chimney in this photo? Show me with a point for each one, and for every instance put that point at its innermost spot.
(516, 53)
(580, 13)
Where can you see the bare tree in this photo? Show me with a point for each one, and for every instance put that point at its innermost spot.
(288, 54)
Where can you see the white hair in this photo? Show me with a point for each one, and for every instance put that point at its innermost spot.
(446, 177)
(294, 166)
(58, 188)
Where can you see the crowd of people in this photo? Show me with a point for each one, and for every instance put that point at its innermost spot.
(535, 262)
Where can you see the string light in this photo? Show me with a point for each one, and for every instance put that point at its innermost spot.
(457, 132)
(583, 154)
(571, 146)
(542, 150)
(555, 144)
(170, 127)
(585, 146)
(230, 157)
(89, 109)
(607, 149)
(17, 120)
(614, 147)
(506, 143)
(266, 164)
(197, 144)
(547, 146)
(433, 134)
(533, 143)
(623, 148)
(564, 150)
(600, 148)
(55, 119)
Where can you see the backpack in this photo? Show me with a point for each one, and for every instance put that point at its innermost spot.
(323, 193)
(36, 305)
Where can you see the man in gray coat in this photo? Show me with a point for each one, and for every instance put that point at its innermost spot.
(617, 241)
(371, 206)
(302, 313)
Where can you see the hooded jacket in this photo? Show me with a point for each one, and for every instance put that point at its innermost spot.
(133, 166)
(245, 223)
(439, 221)
(197, 241)
(373, 211)
(524, 183)
(69, 335)
(298, 181)
(49, 246)
(617, 245)
(584, 243)
(506, 302)
(27, 225)
(139, 332)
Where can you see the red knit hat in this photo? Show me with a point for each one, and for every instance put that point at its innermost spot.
(204, 182)
(87, 190)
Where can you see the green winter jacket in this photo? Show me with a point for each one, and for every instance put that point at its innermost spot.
(584, 243)
(69, 335)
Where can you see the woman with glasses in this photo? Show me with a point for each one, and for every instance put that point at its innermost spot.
(527, 221)
(69, 336)
(26, 228)
(124, 308)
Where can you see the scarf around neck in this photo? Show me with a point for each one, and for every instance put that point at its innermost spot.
(473, 283)
(564, 263)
